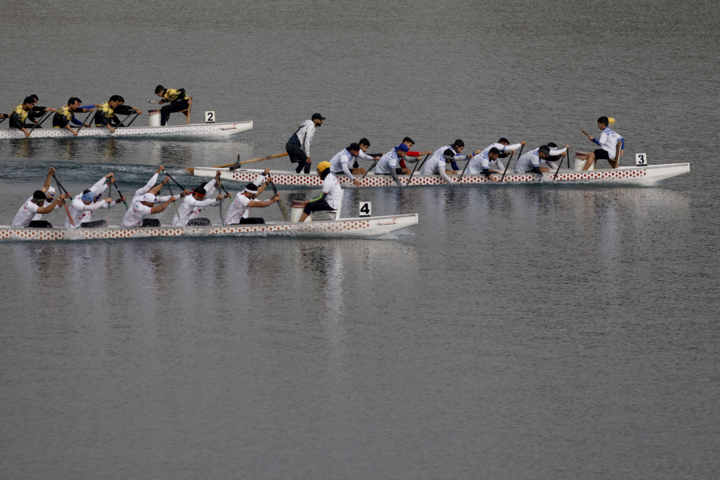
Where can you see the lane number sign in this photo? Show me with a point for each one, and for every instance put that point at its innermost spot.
(641, 159)
(210, 116)
(365, 209)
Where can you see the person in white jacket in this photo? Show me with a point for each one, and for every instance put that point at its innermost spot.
(530, 161)
(193, 204)
(298, 147)
(84, 204)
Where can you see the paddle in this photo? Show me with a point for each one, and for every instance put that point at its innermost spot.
(371, 167)
(463, 172)
(176, 183)
(561, 160)
(61, 189)
(508, 165)
(153, 101)
(107, 222)
(171, 194)
(37, 125)
(84, 122)
(131, 121)
(3, 119)
(121, 195)
(282, 208)
(222, 200)
(416, 167)
(192, 169)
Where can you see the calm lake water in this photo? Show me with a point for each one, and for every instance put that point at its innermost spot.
(516, 332)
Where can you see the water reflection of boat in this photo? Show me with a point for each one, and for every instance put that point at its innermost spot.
(643, 175)
(346, 227)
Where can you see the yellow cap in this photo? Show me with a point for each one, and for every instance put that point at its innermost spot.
(322, 166)
(611, 120)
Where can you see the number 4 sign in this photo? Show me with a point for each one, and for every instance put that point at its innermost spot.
(365, 209)
(640, 159)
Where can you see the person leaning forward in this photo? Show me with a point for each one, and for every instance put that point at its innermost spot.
(298, 147)
(35, 205)
(331, 192)
(106, 112)
(239, 211)
(66, 114)
(177, 98)
(20, 114)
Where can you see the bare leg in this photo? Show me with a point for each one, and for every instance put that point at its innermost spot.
(304, 216)
(589, 162)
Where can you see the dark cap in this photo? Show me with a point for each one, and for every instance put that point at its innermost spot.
(459, 143)
(39, 195)
(545, 150)
(317, 116)
(448, 154)
(353, 146)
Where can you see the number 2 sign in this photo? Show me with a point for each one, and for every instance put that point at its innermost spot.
(210, 116)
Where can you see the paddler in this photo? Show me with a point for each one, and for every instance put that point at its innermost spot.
(38, 111)
(143, 203)
(341, 162)
(66, 114)
(444, 155)
(478, 162)
(35, 205)
(535, 160)
(88, 201)
(193, 204)
(363, 155)
(106, 112)
(177, 98)
(239, 211)
(331, 192)
(608, 144)
(298, 147)
(20, 114)
(411, 153)
(123, 109)
(389, 163)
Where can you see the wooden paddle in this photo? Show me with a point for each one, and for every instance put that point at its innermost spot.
(269, 157)
(282, 208)
(508, 165)
(37, 125)
(463, 172)
(61, 189)
(416, 167)
(561, 160)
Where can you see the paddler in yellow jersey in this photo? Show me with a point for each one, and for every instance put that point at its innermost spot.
(20, 114)
(105, 113)
(66, 114)
(178, 100)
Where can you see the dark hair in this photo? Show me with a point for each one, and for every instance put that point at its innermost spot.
(504, 140)
(458, 143)
(201, 189)
(114, 98)
(364, 141)
(551, 144)
(120, 98)
(324, 173)
(353, 146)
(159, 89)
(495, 151)
(29, 100)
(35, 97)
(408, 139)
(39, 195)
(603, 120)
(544, 149)
(251, 186)
(74, 100)
(449, 153)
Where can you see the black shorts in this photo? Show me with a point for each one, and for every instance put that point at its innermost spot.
(252, 221)
(318, 206)
(601, 154)
(296, 154)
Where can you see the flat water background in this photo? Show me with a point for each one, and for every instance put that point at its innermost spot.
(516, 332)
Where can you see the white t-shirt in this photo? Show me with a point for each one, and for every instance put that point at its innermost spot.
(190, 208)
(532, 159)
(135, 214)
(331, 186)
(437, 161)
(608, 141)
(25, 214)
(387, 163)
(238, 209)
(82, 213)
(340, 163)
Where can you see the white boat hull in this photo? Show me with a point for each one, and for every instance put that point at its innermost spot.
(194, 130)
(348, 227)
(646, 175)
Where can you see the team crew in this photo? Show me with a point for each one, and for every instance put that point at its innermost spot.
(239, 211)
(87, 202)
(106, 112)
(530, 161)
(412, 153)
(330, 196)
(20, 114)
(298, 147)
(364, 144)
(177, 98)
(503, 146)
(143, 203)
(66, 114)
(608, 145)
(194, 203)
(36, 205)
(340, 163)
(389, 163)
(449, 153)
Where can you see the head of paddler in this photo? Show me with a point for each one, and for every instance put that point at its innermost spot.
(402, 150)
(160, 91)
(199, 192)
(74, 103)
(449, 155)
(50, 194)
(148, 200)
(38, 197)
(544, 152)
(323, 169)
(317, 119)
(603, 122)
(354, 149)
(493, 153)
(87, 197)
(364, 144)
(28, 103)
(408, 141)
(250, 190)
(114, 101)
(504, 141)
(458, 145)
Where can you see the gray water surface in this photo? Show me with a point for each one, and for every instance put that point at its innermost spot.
(532, 331)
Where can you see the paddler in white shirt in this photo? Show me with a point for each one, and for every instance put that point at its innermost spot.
(389, 163)
(608, 144)
(331, 192)
(535, 160)
(364, 144)
(83, 205)
(143, 203)
(239, 211)
(503, 146)
(449, 153)
(31, 211)
(194, 203)
(341, 162)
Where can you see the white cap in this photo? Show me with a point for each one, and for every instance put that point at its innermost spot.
(51, 190)
(149, 197)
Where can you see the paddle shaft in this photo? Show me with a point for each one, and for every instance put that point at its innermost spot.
(282, 208)
(121, 195)
(466, 165)
(84, 122)
(561, 160)
(416, 167)
(269, 157)
(67, 210)
(371, 167)
(176, 183)
(171, 194)
(508, 165)
(40, 123)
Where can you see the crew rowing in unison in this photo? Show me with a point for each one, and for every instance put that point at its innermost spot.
(535, 160)
(87, 202)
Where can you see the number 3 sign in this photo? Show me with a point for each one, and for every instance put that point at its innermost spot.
(640, 159)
